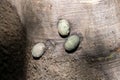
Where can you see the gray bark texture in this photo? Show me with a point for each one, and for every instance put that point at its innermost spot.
(23, 23)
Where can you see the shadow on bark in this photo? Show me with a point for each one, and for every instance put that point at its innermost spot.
(12, 44)
(95, 60)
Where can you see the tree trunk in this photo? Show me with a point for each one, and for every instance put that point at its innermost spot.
(97, 57)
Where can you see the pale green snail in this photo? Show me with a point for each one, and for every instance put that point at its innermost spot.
(72, 43)
(63, 27)
(38, 50)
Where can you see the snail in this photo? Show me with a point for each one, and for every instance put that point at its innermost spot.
(38, 50)
(63, 27)
(72, 43)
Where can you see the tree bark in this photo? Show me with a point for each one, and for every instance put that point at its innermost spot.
(97, 57)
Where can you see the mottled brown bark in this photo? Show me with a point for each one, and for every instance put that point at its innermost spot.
(97, 57)
(12, 43)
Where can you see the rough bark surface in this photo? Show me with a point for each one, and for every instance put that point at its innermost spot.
(97, 57)
(12, 44)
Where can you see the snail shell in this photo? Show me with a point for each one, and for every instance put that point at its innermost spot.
(63, 27)
(72, 43)
(38, 50)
